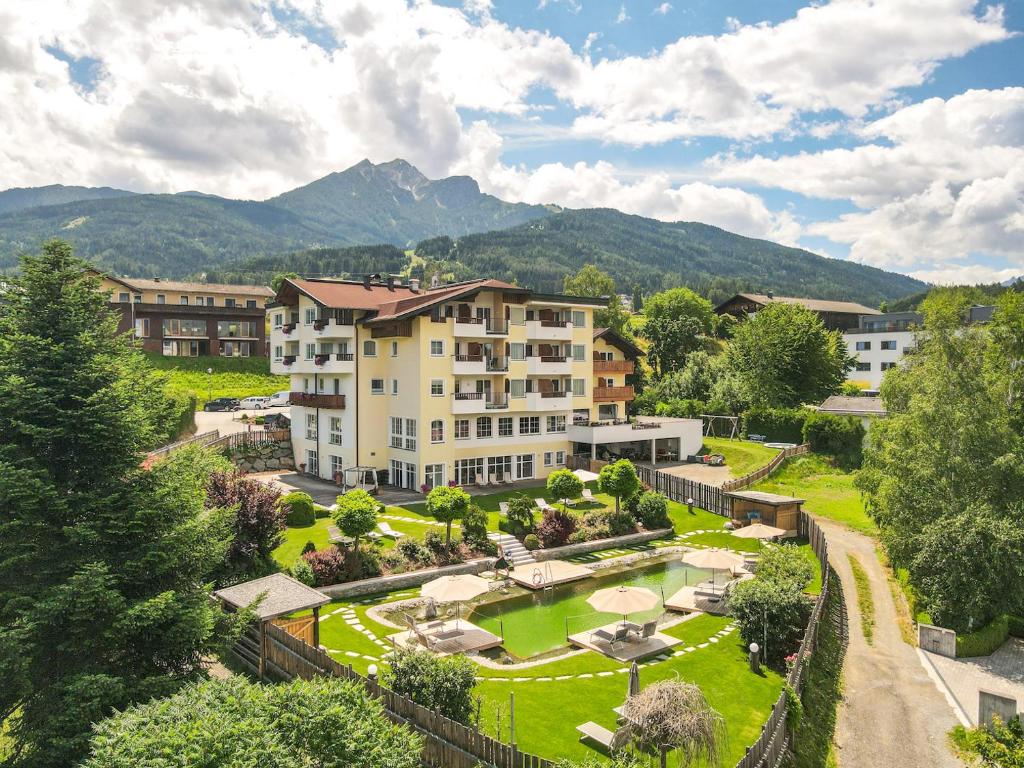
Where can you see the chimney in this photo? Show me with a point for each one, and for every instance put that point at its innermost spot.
(414, 284)
(391, 282)
(366, 282)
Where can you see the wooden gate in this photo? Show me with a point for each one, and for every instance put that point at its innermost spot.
(937, 640)
(300, 628)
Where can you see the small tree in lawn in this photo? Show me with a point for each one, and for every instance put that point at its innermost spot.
(446, 505)
(676, 715)
(356, 514)
(564, 485)
(618, 480)
(442, 683)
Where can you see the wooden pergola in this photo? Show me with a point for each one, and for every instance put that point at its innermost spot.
(277, 595)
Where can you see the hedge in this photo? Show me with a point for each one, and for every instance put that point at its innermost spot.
(838, 436)
(988, 639)
(782, 425)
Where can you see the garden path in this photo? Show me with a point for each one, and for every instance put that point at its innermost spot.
(891, 713)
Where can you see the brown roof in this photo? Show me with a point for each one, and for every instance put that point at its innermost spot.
(618, 340)
(401, 308)
(339, 294)
(143, 284)
(815, 305)
(281, 595)
(854, 406)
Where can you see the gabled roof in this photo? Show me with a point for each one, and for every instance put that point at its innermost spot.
(403, 308)
(343, 294)
(854, 406)
(282, 595)
(815, 305)
(141, 284)
(618, 341)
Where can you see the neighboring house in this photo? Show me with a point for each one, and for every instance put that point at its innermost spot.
(878, 344)
(464, 382)
(867, 409)
(181, 319)
(837, 315)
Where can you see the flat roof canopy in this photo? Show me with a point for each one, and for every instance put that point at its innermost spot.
(283, 595)
(772, 499)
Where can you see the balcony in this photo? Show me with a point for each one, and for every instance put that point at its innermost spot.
(612, 394)
(337, 362)
(287, 328)
(548, 365)
(288, 360)
(311, 400)
(497, 365)
(479, 327)
(329, 328)
(548, 330)
(469, 365)
(613, 366)
(548, 401)
(478, 402)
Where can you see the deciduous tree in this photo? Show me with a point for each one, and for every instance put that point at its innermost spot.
(677, 322)
(258, 520)
(619, 480)
(564, 485)
(591, 281)
(356, 513)
(447, 504)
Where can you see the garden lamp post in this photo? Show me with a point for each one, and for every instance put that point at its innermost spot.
(755, 661)
(209, 383)
(689, 504)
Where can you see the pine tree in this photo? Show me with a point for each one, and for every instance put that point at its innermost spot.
(103, 565)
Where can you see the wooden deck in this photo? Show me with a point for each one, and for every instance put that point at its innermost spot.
(448, 637)
(687, 600)
(549, 573)
(634, 649)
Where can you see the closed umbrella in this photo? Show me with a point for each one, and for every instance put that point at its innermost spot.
(715, 559)
(585, 475)
(634, 680)
(624, 600)
(758, 531)
(455, 589)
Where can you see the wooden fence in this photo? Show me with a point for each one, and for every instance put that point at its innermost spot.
(680, 489)
(446, 743)
(752, 477)
(254, 439)
(203, 438)
(301, 628)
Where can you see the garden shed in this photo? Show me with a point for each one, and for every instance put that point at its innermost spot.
(770, 508)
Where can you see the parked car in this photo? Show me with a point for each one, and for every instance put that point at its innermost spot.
(223, 404)
(279, 398)
(257, 403)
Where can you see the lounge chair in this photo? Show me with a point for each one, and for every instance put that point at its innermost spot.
(387, 530)
(508, 480)
(710, 590)
(503, 507)
(588, 496)
(610, 740)
(427, 641)
(542, 505)
(620, 635)
(481, 481)
(648, 629)
(493, 480)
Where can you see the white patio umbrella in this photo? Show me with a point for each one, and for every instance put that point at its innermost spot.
(624, 600)
(715, 559)
(634, 681)
(757, 531)
(585, 475)
(455, 589)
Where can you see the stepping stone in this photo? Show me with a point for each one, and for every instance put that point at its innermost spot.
(622, 671)
(352, 654)
(605, 674)
(585, 675)
(543, 679)
(678, 653)
(704, 645)
(351, 622)
(563, 677)
(521, 679)
(689, 648)
(370, 658)
(713, 639)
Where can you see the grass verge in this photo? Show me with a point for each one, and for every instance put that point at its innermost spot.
(865, 601)
(232, 377)
(741, 456)
(903, 599)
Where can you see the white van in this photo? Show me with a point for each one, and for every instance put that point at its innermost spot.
(254, 403)
(279, 398)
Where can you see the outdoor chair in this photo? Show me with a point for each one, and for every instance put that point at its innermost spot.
(648, 629)
(508, 480)
(709, 590)
(492, 479)
(621, 635)
(612, 741)
(387, 530)
(422, 638)
(542, 505)
(481, 481)
(588, 496)
(503, 507)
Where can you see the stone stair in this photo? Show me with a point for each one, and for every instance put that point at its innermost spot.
(514, 551)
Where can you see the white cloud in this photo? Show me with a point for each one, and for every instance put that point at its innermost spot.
(623, 16)
(662, 9)
(945, 274)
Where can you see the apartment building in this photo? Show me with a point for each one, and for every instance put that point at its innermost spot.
(465, 382)
(181, 319)
(836, 315)
(878, 343)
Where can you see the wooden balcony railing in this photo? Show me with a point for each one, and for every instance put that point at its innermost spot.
(311, 400)
(612, 394)
(288, 359)
(613, 366)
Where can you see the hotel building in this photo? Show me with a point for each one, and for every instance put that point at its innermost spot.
(465, 382)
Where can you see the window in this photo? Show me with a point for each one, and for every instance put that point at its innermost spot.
(396, 432)
(278, 320)
(394, 386)
(517, 387)
(517, 350)
(433, 475)
(137, 298)
(887, 366)
(123, 298)
(161, 298)
(604, 356)
(517, 315)
(436, 350)
(376, 386)
(579, 319)
(863, 366)
(554, 458)
(524, 466)
(209, 301)
(180, 348)
(579, 353)
(278, 352)
(184, 327)
(403, 474)
(230, 303)
(335, 438)
(504, 426)
(529, 425)
(394, 349)
(234, 349)
(437, 387)
(227, 329)
(462, 429)
(337, 465)
(142, 327)
(310, 351)
(437, 431)
(370, 349)
(556, 424)
(468, 470)
(310, 316)
(888, 345)
(312, 462)
(863, 346)
(199, 301)
(499, 468)
(410, 434)
(311, 426)
(483, 426)
(250, 303)
(579, 387)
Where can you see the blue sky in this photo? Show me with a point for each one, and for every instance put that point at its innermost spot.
(858, 129)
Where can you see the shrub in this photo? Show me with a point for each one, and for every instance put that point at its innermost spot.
(1000, 745)
(555, 528)
(984, 641)
(393, 561)
(1015, 626)
(369, 563)
(785, 564)
(474, 527)
(258, 521)
(320, 511)
(680, 408)
(520, 515)
(442, 683)
(785, 425)
(413, 551)
(784, 607)
(531, 542)
(652, 511)
(300, 513)
(839, 436)
(302, 571)
(621, 523)
(309, 546)
(563, 484)
(356, 514)
(328, 566)
(434, 542)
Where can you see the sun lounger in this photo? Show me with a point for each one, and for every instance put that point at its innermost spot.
(542, 505)
(508, 480)
(610, 740)
(492, 479)
(648, 629)
(387, 530)
(620, 635)
(588, 496)
(710, 590)
(503, 507)
(481, 481)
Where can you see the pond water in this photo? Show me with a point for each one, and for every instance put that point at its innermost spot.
(536, 623)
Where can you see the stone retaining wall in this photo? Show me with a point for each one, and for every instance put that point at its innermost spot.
(270, 457)
(404, 580)
(585, 547)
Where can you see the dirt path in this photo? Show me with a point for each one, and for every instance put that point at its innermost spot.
(891, 714)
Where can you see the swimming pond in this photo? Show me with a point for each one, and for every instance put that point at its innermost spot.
(535, 623)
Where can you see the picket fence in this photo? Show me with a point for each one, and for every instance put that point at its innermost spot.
(240, 441)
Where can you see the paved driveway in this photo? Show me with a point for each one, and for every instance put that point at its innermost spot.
(228, 422)
(702, 473)
(1002, 673)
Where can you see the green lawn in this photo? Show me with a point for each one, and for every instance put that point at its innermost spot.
(232, 377)
(741, 456)
(829, 491)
